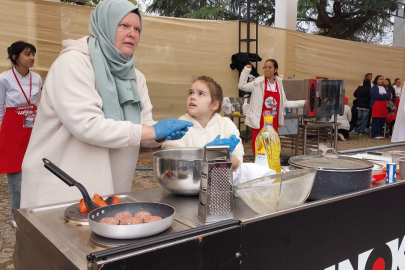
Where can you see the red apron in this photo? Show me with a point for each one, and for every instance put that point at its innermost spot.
(276, 97)
(14, 140)
(380, 109)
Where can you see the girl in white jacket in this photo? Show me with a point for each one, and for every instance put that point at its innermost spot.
(203, 107)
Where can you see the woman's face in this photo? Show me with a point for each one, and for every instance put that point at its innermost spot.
(380, 81)
(398, 83)
(26, 58)
(370, 77)
(199, 101)
(128, 32)
(269, 70)
(386, 82)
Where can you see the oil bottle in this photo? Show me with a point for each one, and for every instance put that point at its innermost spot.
(268, 146)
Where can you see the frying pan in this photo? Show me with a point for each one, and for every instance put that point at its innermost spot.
(166, 212)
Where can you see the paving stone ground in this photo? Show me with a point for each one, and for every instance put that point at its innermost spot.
(142, 180)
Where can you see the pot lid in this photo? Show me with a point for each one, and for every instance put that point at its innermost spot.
(330, 161)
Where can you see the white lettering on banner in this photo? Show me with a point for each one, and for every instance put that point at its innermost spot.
(345, 265)
(397, 253)
(398, 256)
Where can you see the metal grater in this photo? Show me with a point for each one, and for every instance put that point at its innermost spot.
(216, 189)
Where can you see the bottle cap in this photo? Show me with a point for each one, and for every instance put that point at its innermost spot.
(268, 118)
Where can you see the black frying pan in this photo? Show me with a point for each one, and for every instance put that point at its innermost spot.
(166, 212)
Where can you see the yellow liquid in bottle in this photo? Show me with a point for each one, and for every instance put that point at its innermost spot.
(268, 147)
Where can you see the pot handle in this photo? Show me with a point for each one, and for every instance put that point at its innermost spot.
(333, 149)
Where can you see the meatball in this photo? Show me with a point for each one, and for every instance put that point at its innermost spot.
(123, 215)
(109, 221)
(131, 221)
(152, 219)
(142, 215)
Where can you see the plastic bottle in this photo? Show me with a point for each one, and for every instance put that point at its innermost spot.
(233, 107)
(268, 146)
(245, 106)
(237, 106)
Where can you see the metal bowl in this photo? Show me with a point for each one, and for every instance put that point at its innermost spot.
(179, 170)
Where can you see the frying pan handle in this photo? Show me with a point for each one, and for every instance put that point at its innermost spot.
(59, 173)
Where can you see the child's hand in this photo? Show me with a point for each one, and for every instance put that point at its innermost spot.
(232, 142)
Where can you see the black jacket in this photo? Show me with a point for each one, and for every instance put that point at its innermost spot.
(363, 97)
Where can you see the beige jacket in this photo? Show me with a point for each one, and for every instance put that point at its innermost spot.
(72, 132)
(197, 136)
(256, 100)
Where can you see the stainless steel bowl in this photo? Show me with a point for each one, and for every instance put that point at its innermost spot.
(179, 170)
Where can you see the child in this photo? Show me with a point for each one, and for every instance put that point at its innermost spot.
(203, 107)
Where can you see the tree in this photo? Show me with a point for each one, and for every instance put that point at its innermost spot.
(358, 20)
(91, 3)
(210, 9)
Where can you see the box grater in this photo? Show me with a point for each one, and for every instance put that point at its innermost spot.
(216, 189)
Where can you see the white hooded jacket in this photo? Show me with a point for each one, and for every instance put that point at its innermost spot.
(72, 132)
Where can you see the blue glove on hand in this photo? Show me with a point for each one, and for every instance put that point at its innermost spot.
(232, 142)
(171, 128)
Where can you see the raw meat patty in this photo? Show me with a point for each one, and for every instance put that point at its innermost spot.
(123, 215)
(131, 221)
(152, 219)
(142, 215)
(109, 221)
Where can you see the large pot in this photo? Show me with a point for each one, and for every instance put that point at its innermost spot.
(336, 174)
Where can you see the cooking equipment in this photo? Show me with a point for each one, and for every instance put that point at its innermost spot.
(166, 212)
(336, 174)
(278, 191)
(216, 193)
(325, 97)
(179, 170)
(90, 205)
(45, 241)
(402, 167)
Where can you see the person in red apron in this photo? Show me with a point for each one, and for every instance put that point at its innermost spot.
(268, 98)
(19, 90)
(379, 96)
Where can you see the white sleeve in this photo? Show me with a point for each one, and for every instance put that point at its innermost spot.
(243, 84)
(71, 92)
(147, 109)
(348, 113)
(2, 100)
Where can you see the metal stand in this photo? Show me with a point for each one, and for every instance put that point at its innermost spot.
(248, 14)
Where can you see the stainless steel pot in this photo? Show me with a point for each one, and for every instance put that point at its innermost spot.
(179, 170)
(336, 174)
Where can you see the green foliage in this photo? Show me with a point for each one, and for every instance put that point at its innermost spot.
(357, 20)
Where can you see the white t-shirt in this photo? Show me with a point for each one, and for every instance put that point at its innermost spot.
(397, 91)
(10, 91)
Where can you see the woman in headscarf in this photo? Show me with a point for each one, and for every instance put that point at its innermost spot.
(95, 112)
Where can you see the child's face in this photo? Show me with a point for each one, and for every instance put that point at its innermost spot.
(199, 101)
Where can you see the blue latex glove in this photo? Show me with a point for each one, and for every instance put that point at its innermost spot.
(171, 128)
(232, 142)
